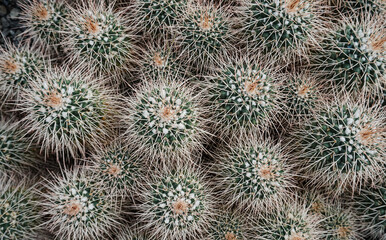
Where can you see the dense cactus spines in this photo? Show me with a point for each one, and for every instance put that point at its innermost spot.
(78, 207)
(286, 27)
(177, 205)
(288, 221)
(371, 206)
(353, 56)
(99, 37)
(244, 95)
(19, 218)
(343, 145)
(229, 227)
(129, 234)
(204, 34)
(116, 167)
(253, 175)
(44, 20)
(165, 120)
(350, 7)
(15, 153)
(67, 110)
(18, 66)
(158, 16)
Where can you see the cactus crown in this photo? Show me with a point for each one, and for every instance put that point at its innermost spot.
(18, 212)
(17, 68)
(227, 227)
(356, 56)
(46, 20)
(99, 35)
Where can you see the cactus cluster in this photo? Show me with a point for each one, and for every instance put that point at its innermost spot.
(193, 119)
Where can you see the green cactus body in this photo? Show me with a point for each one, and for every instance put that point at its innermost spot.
(371, 7)
(45, 20)
(165, 118)
(19, 216)
(100, 36)
(177, 205)
(77, 207)
(227, 227)
(339, 224)
(67, 109)
(205, 34)
(371, 205)
(14, 149)
(156, 16)
(116, 167)
(344, 142)
(245, 97)
(282, 27)
(354, 57)
(128, 234)
(253, 175)
(17, 68)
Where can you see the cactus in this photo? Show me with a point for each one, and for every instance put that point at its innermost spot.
(176, 204)
(154, 17)
(44, 20)
(128, 234)
(164, 119)
(99, 38)
(19, 218)
(253, 174)
(116, 168)
(78, 207)
(68, 110)
(204, 34)
(18, 66)
(342, 145)
(15, 153)
(353, 56)
(229, 227)
(245, 96)
(286, 28)
(371, 207)
(350, 7)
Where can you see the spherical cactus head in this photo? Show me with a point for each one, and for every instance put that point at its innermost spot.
(342, 145)
(130, 234)
(204, 34)
(116, 167)
(253, 174)
(157, 17)
(44, 20)
(228, 226)
(285, 28)
(76, 206)
(99, 37)
(371, 207)
(165, 119)
(177, 204)
(358, 7)
(68, 110)
(288, 220)
(353, 57)
(19, 211)
(18, 66)
(15, 150)
(244, 96)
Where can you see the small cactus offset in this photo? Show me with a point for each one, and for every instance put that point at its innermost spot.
(78, 207)
(371, 206)
(229, 227)
(44, 20)
(177, 204)
(244, 95)
(353, 56)
(19, 218)
(204, 33)
(253, 175)
(18, 67)
(285, 28)
(165, 119)
(343, 145)
(98, 37)
(116, 167)
(67, 110)
(128, 234)
(15, 152)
